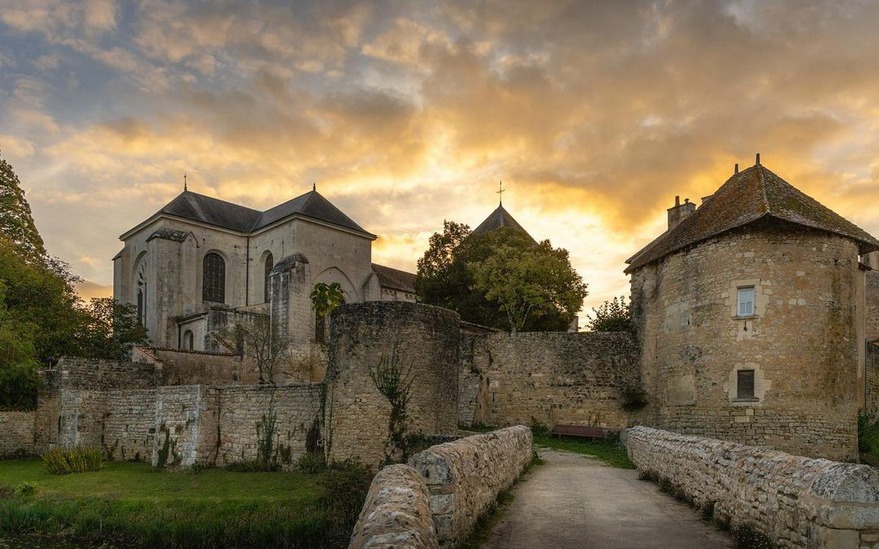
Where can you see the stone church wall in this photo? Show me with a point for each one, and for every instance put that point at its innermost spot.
(372, 339)
(547, 378)
(801, 344)
(872, 369)
(181, 367)
(795, 501)
(17, 434)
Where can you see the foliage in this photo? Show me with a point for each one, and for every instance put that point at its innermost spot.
(19, 380)
(611, 316)
(110, 329)
(132, 505)
(310, 463)
(500, 278)
(610, 450)
(62, 461)
(16, 221)
(271, 349)
(394, 382)
(25, 488)
(324, 299)
(345, 485)
(633, 397)
(266, 455)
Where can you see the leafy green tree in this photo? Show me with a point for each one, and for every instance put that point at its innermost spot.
(324, 298)
(611, 316)
(16, 221)
(109, 329)
(500, 279)
(19, 380)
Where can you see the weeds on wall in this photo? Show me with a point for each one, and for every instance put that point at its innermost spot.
(394, 381)
(61, 461)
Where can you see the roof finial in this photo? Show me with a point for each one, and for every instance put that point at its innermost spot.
(313, 186)
(758, 159)
(737, 167)
(500, 193)
(184, 182)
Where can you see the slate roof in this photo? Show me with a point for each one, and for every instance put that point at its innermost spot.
(750, 195)
(394, 279)
(497, 219)
(219, 213)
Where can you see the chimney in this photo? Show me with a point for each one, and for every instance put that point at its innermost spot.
(679, 212)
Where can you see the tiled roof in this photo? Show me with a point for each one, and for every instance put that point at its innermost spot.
(394, 279)
(750, 195)
(497, 219)
(198, 207)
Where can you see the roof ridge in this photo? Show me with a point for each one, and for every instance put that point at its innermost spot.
(762, 174)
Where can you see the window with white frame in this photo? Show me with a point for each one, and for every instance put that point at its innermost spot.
(745, 301)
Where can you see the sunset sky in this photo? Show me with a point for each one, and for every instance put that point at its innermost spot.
(594, 114)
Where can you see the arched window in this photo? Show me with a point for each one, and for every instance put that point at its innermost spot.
(270, 262)
(141, 292)
(214, 279)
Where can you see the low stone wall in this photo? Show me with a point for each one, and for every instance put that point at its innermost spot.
(16, 434)
(396, 512)
(872, 372)
(547, 377)
(795, 501)
(464, 477)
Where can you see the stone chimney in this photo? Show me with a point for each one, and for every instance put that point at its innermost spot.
(679, 212)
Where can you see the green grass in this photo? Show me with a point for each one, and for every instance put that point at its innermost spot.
(132, 503)
(611, 452)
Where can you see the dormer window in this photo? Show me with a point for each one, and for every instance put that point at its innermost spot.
(745, 301)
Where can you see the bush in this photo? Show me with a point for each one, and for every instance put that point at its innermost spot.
(311, 463)
(73, 460)
(253, 466)
(26, 488)
(345, 487)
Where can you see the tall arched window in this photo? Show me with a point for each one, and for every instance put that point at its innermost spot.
(270, 262)
(214, 279)
(141, 281)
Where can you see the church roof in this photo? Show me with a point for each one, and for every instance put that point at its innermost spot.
(497, 219)
(750, 195)
(212, 211)
(394, 279)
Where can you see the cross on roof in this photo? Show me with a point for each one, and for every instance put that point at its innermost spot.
(500, 192)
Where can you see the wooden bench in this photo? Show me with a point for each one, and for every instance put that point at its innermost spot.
(583, 431)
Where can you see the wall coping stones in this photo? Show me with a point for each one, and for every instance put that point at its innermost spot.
(396, 512)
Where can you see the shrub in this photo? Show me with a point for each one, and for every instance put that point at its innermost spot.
(62, 461)
(311, 463)
(26, 488)
(345, 487)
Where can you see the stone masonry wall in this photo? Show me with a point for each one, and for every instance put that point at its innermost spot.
(184, 435)
(370, 340)
(796, 501)
(91, 374)
(243, 412)
(872, 370)
(396, 512)
(801, 343)
(180, 367)
(464, 477)
(16, 434)
(129, 424)
(547, 378)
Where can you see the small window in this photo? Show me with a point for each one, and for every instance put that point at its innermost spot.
(745, 385)
(188, 340)
(746, 301)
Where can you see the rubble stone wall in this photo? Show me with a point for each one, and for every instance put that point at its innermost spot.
(547, 378)
(396, 512)
(795, 501)
(17, 434)
(872, 370)
(464, 477)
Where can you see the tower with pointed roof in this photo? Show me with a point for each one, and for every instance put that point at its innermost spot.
(199, 263)
(750, 315)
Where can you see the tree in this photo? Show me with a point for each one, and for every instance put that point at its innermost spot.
(110, 329)
(500, 279)
(324, 298)
(19, 380)
(16, 221)
(255, 337)
(611, 316)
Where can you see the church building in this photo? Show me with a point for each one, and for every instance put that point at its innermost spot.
(199, 263)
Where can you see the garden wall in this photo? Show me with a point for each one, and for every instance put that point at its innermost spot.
(872, 371)
(795, 501)
(547, 378)
(409, 346)
(16, 434)
(464, 477)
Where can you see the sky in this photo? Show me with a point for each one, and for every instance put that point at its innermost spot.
(595, 115)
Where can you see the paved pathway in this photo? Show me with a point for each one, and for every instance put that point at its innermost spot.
(575, 501)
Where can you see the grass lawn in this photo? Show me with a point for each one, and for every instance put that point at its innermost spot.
(132, 503)
(611, 452)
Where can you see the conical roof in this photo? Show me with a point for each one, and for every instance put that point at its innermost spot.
(750, 195)
(497, 219)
